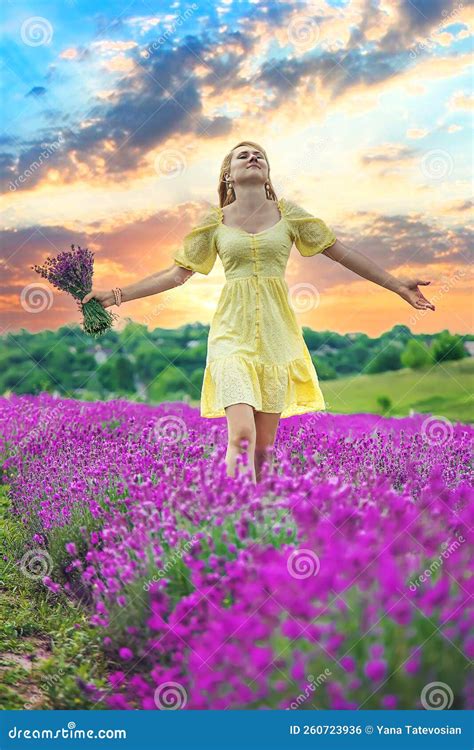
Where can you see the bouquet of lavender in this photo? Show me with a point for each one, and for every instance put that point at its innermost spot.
(72, 272)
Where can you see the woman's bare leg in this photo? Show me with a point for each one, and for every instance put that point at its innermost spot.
(240, 427)
(266, 424)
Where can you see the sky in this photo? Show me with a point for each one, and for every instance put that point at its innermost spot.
(117, 117)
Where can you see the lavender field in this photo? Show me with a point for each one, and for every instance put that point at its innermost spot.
(343, 580)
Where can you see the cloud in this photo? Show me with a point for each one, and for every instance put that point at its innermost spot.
(411, 239)
(459, 101)
(7, 164)
(71, 53)
(417, 133)
(140, 245)
(457, 206)
(388, 152)
(106, 25)
(136, 246)
(167, 94)
(159, 100)
(424, 13)
(36, 91)
(395, 242)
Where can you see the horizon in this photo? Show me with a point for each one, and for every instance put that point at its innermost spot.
(125, 322)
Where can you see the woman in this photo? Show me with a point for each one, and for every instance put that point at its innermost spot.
(258, 366)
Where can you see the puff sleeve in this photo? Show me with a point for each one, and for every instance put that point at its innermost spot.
(199, 251)
(310, 234)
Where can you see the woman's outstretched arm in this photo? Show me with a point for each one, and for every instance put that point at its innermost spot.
(355, 261)
(158, 282)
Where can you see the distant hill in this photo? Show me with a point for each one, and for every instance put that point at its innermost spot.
(443, 389)
(168, 364)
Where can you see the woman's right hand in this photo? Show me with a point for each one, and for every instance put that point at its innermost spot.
(106, 298)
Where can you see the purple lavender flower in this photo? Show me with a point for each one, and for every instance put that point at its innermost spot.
(193, 599)
(71, 272)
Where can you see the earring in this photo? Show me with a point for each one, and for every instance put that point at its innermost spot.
(268, 190)
(229, 187)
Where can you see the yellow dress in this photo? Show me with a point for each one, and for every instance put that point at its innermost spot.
(256, 353)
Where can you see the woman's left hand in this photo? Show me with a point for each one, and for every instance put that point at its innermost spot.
(408, 290)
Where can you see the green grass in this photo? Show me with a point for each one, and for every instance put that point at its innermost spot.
(46, 643)
(443, 390)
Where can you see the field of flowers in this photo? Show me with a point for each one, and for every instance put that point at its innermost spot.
(342, 580)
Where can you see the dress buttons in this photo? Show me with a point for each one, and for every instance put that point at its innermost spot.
(257, 298)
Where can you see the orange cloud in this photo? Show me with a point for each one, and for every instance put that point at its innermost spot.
(417, 132)
(460, 100)
(69, 54)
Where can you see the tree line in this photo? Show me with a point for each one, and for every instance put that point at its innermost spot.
(168, 364)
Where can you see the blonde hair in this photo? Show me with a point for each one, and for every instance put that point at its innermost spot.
(229, 197)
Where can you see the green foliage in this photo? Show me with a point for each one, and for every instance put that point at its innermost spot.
(416, 355)
(196, 380)
(386, 359)
(324, 370)
(447, 347)
(172, 384)
(124, 376)
(106, 376)
(168, 364)
(149, 361)
(384, 403)
(46, 642)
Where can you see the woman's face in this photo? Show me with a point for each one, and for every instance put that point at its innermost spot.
(248, 164)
